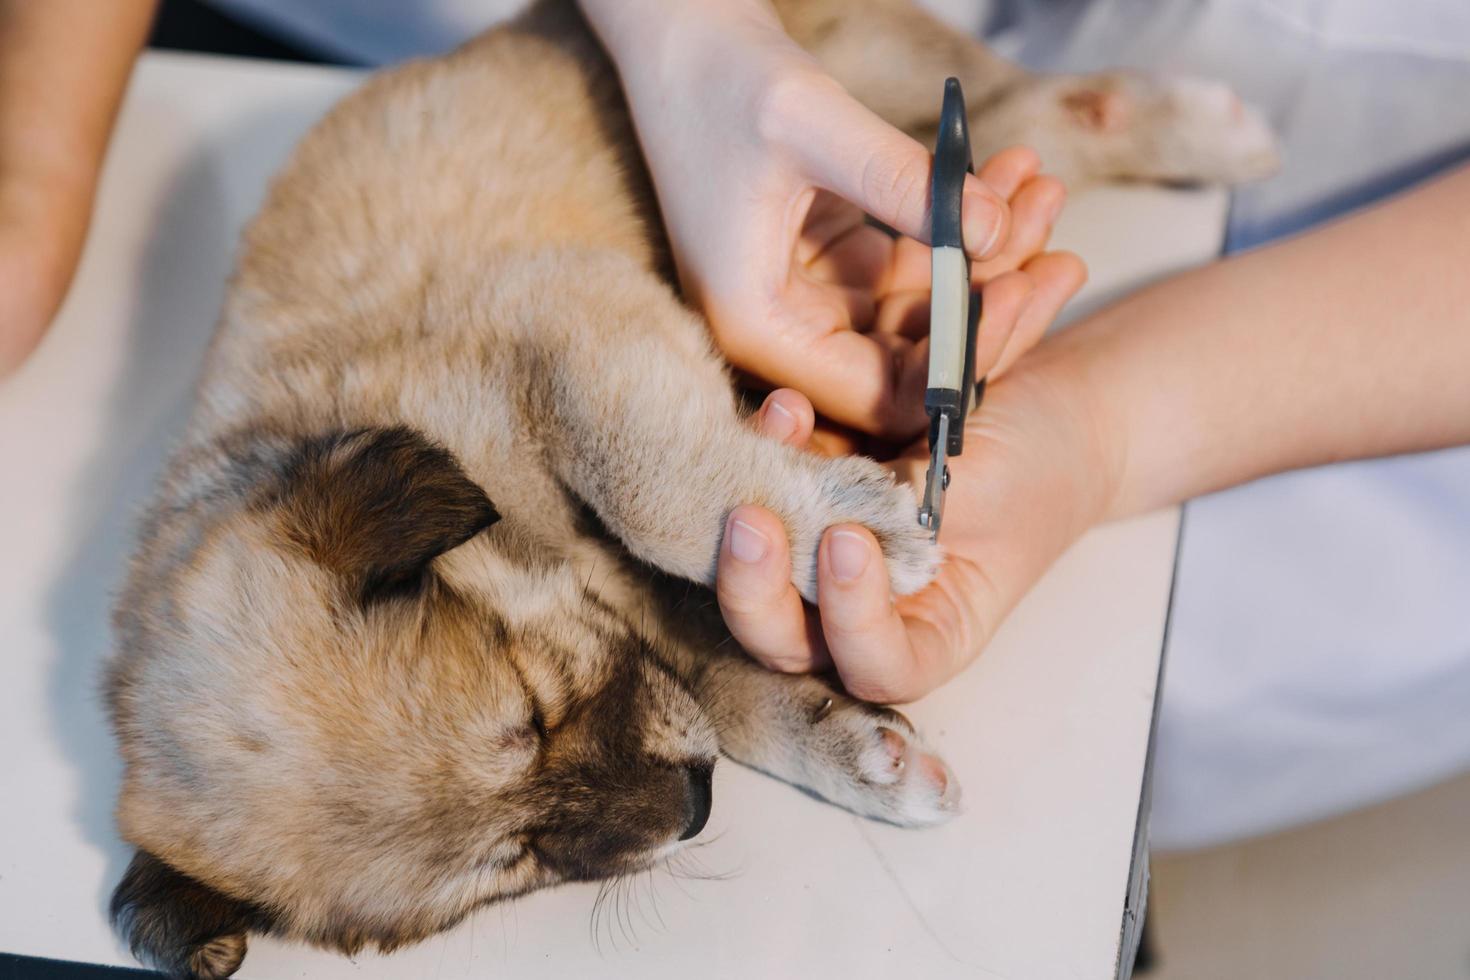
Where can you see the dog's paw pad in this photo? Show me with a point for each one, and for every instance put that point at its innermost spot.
(894, 748)
(898, 778)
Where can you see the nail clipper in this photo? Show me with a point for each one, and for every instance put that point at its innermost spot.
(954, 309)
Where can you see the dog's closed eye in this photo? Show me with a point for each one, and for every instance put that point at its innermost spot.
(538, 721)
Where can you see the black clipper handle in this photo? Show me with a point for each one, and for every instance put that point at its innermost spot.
(952, 161)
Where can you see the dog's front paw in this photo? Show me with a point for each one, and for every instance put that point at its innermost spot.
(880, 767)
(856, 490)
(1215, 136)
(1135, 126)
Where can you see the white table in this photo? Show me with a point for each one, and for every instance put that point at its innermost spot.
(1047, 732)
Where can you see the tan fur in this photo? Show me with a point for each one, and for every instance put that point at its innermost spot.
(403, 635)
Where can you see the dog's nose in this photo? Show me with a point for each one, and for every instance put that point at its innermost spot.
(700, 797)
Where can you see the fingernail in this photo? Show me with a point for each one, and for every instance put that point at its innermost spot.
(747, 545)
(982, 223)
(848, 555)
(779, 423)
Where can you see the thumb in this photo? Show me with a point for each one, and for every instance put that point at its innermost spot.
(848, 150)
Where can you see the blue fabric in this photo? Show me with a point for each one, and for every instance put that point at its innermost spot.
(1248, 231)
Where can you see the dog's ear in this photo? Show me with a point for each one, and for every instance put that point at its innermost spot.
(179, 926)
(377, 505)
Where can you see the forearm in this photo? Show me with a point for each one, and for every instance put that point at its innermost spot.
(63, 67)
(1350, 341)
(689, 68)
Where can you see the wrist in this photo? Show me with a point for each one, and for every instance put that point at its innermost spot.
(692, 66)
(647, 36)
(1089, 428)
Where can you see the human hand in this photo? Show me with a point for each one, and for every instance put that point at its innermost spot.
(42, 224)
(1036, 472)
(764, 167)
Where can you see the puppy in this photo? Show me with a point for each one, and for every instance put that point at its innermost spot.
(409, 628)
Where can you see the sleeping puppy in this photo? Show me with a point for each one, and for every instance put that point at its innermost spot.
(409, 629)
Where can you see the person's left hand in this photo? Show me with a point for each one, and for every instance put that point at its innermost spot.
(1037, 471)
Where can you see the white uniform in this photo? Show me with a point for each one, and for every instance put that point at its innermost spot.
(1319, 654)
(1319, 651)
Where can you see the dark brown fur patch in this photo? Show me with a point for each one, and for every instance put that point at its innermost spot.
(608, 802)
(377, 505)
(181, 926)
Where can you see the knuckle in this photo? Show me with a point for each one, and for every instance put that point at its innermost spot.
(858, 622)
(747, 602)
(783, 103)
(784, 662)
(880, 690)
(1052, 185)
(1025, 156)
(901, 187)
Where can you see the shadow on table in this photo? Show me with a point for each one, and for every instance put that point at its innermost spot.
(182, 275)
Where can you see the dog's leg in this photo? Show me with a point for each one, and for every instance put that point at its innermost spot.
(638, 419)
(1130, 126)
(796, 727)
(893, 56)
(862, 757)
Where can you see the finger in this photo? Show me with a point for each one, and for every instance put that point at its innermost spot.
(762, 609)
(847, 149)
(860, 304)
(900, 350)
(861, 257)
(1034, 211)
(827, 307)
(948, 623)
(1004, 301)
(1007, 170)
(868, 642)
(827, 218)
(890, 651)
(1057, 277)
(912, 266)
(831, 439)
(905, 314)
(850, 377)
(786, 416)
